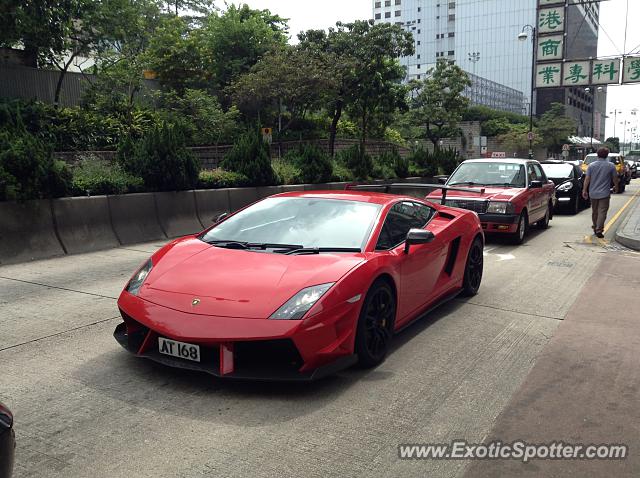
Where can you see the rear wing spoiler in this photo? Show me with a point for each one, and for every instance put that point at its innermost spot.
(386, 188)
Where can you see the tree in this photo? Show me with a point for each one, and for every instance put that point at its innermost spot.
(363, 61)
(516, 138)
(236, 40)
(555, 127)
(289, 80)
(438, 104)
(613, 144)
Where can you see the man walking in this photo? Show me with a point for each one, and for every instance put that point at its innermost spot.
(597, 187)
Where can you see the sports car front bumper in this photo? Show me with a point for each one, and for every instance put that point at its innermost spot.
(255, 349)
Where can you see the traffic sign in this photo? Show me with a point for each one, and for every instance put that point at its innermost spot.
(531, 136)
(566, 147)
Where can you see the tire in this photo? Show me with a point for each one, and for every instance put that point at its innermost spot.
(621, 187)
(523, 223)
(375, 324)
(544, 222)
(576, 205)
(473, 269)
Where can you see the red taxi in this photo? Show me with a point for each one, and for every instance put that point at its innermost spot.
(515, 194)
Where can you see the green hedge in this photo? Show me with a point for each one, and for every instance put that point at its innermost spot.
(219, 178)
(251, 156)
(94, 176)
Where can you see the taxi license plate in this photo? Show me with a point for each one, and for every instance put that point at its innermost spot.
(179, 349)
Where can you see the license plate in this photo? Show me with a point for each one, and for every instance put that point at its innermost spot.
(179, 349)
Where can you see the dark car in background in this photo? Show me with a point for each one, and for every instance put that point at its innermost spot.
(568, 179)
(7, 442)
(633, 163)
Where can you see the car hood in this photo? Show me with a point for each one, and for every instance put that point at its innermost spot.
(239, 283)
(490, 193)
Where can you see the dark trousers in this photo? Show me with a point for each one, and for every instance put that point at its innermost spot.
(599, 209)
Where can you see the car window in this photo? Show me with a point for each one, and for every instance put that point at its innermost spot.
(533, 176)
(401, 218)
(541, 176)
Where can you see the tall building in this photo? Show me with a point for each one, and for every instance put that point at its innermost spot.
(481, 36)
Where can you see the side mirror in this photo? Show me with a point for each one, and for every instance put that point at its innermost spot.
(535, 184)
(220, 218)
(418, 236)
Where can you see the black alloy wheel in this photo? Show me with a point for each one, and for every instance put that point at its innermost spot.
(474, 268)
(375, 325)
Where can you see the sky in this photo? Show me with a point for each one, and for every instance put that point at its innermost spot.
(305, 14)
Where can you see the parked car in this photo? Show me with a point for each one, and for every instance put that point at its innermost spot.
(569, 180)
(7, 442)
(300, 284)
(634, 165)
(516, 194)
(618, 161)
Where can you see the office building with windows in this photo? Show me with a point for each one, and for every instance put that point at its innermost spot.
(481, 36)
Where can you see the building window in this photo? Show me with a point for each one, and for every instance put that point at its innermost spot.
(387, 3)
(451, 53)
(418, 76)
(452, 34)
(398, 2)
(378, 16)
(418, 66)
(398, 13)
(418, 31)
(378, 4)
(452, 17)
(419, 9)
(418, 56)
(419, 43)
(418, 20)
(452, 4)
(387, 14)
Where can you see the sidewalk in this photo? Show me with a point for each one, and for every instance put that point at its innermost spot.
(585, 386)
(628, 234)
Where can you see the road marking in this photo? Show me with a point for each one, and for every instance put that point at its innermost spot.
(505, 257)
(619, 213)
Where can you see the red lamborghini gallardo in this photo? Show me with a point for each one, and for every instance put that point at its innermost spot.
(300, 285)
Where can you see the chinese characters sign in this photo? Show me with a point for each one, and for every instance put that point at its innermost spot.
(576, 73)
(548, 75)
(550, 47)
(605, 72)
(551, 20)
(631, 72)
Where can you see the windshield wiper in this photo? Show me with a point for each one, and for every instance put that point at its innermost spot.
(465, 183)
(505, 185)
(253, 245)
(318, 250)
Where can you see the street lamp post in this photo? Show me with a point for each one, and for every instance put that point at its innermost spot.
(474, 57)
(615, 119)
(522, 37)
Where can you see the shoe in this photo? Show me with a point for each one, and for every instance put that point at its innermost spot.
(599, 235)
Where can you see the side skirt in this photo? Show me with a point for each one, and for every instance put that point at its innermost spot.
(446, 298)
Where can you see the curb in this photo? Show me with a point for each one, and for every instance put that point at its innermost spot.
(629, 235)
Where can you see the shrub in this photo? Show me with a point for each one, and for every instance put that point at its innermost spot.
(28, 170)
(161, 159)
(219, 178)
(341, 173)
(287, 171)
(314, 164)
(448, 160)
(401, 167)
(357, 161)
(391, 165)
(424, 161)
(251, 156)
(94, 176)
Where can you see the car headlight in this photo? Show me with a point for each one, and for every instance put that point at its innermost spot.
(500, 207)
(299, 304)
(133, 287)
(568, 186)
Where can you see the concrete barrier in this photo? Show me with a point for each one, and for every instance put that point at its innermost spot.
(292, 187)
(177, 213)
(325, 187)
(134, 218)
(27, 232)
(210, 204)
(266, 191)
(83, 224)
(241, 197)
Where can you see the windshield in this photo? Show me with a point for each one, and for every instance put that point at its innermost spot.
(558, 171)
(489, 174)
(590, 158)
(309, 222)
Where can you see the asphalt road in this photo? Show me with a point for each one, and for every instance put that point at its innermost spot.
(86, 408)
